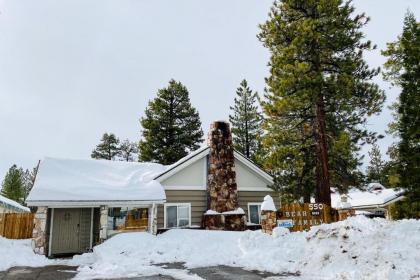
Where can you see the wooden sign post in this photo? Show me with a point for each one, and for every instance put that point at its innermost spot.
(298, 217)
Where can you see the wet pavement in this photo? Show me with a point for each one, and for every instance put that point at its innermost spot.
(60, 272)
(50, 272)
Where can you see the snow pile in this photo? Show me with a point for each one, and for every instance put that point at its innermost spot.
(237, 211)
(358, 248)
(268, 204)
(96, 180)
(19, 253)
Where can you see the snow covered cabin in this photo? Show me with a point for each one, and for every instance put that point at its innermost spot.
(375, 201)
(10, 206)
(82, 202)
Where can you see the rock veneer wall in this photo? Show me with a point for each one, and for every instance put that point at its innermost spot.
(39, 233)
(221, 185)
(103, 223)
(268, 221)
(222, 193)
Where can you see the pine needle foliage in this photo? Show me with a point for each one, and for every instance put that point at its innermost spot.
(246, 121)
(171, 126)
(319, 94)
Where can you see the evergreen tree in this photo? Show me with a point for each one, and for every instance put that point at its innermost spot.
(171, 126)
(376, 168)
(12, 186)
(403, 70)
(108, 148)
(128, 150)
(319, 92)
(246, 121)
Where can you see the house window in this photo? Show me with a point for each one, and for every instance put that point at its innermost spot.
(254, 213)
(127, 219)
(177, 215)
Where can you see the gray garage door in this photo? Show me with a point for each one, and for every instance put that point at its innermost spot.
(71, 230)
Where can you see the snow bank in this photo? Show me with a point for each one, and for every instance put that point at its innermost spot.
(96, 180)
(19, 253)
(358, 248)
(268, 204)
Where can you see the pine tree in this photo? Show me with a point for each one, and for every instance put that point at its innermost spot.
(376, 168)
(171, 126)
(128, 150)
(12, 186)
(108, 148)
(403, 70)
(319, 92)
(246, 121)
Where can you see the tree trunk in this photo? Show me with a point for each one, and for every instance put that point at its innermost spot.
(323, 194)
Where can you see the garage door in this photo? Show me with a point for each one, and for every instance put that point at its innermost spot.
(71, 230)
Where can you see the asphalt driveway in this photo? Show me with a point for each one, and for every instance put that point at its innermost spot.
(61, 272)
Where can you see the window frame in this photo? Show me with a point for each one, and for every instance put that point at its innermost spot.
(259, 212)
(165, 205)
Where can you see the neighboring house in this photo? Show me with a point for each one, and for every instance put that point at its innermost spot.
(376, 201)
(82, 202)
(10, 206)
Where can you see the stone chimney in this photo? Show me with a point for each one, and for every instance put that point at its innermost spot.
(221, 185)
(222, 193)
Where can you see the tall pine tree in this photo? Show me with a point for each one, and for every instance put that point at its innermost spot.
(171, 126)
(246, 121)
(108, 148)
(12, 186)
(319, 92)
(403, 70)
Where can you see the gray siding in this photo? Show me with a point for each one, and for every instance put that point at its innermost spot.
(198, 202)
(247, 178)
(192, 175)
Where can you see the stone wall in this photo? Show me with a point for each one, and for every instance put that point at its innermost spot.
(222, 193)
(103, 222)
(222, 189)
(224, 222)
(268, 221)
(39, 233)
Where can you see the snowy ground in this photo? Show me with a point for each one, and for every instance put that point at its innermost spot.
(358, 248)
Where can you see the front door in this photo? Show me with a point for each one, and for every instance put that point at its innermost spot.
(71, 230)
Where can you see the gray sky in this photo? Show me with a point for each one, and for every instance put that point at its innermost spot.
(71, 70)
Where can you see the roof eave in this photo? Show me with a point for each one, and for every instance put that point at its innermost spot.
(92, 203)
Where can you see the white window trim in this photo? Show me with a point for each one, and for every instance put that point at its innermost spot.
(249, 210)
(165, 205)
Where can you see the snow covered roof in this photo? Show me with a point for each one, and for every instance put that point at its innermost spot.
(13, 203)
(375, 196)
(95, 181)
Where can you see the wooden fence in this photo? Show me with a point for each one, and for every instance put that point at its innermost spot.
(16, 225)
